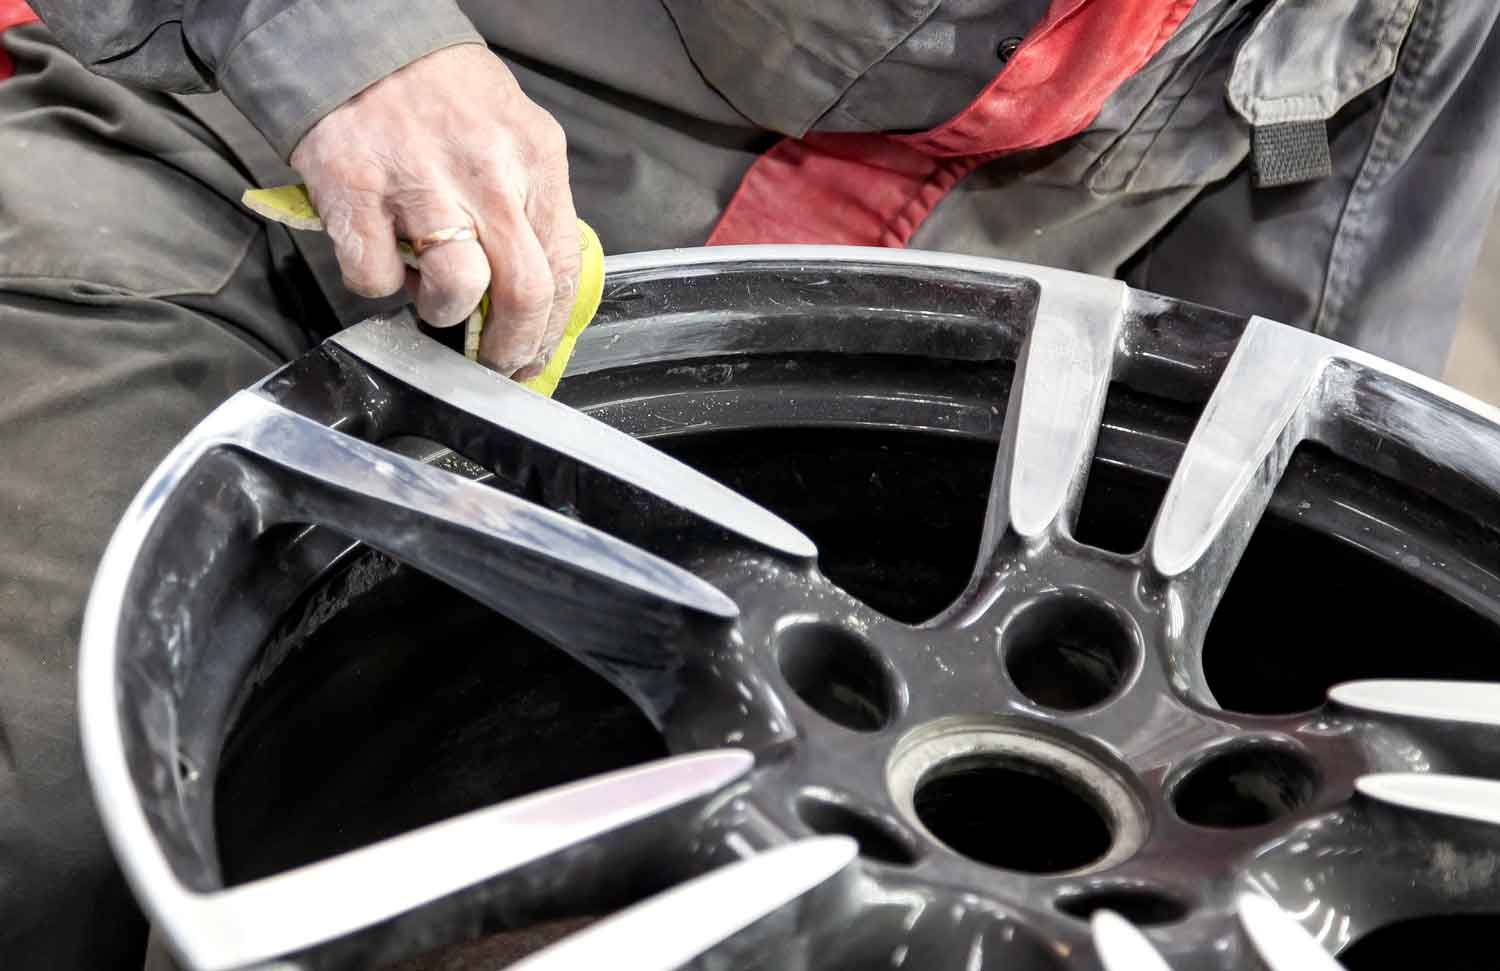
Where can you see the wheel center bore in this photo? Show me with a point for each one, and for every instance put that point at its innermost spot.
(1006, 795)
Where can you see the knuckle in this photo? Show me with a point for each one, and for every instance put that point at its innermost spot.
(501, 142)
(502, 188)
(453, 281)
(550, 138)
(469, 281)
(532, 294)
(356, 176)
(363, 271)
(455, 295)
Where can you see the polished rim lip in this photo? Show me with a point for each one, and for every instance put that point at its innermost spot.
(176, 908)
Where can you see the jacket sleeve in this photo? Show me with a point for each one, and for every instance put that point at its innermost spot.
(284, 63)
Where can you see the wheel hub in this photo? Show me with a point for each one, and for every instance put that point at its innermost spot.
(986, 789)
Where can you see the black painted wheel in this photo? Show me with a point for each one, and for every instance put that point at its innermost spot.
(1091, 677)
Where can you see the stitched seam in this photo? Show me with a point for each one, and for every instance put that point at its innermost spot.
(1217, 36)
(1351, 229)
(1371, 64)
(814, 55)
(850, 75)
(856, 76)
(1285, 107)
(203, 290)
(1153, 101)
(916, 208)
(1261, 26)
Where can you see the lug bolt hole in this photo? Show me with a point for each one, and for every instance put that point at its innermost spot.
(837, 674)
(877, 840)
(1244, 787)
(1068, 652)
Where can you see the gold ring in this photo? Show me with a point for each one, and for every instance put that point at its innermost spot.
(452, 234)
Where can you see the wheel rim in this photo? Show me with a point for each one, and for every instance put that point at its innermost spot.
(1072, 675)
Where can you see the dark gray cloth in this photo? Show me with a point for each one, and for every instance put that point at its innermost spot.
(284, 63)
(134, 296)
(1380, 254)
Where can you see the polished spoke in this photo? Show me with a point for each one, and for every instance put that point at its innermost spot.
(612, 604)
(1453, 796)
(1470, 702)
(500, 407)
(672, 928)
(1052, 418)
(1121, 947)
(1280, 941)
(1416, 843)
(303, 908)
(1253, 422)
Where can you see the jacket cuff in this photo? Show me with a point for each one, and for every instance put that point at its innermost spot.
(289, 72)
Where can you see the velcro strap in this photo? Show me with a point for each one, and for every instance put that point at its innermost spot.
(1290, 152)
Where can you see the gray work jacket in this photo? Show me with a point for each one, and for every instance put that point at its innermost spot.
(667, 102)
(786, 65)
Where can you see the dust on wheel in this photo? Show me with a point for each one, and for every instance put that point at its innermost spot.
(854, 610)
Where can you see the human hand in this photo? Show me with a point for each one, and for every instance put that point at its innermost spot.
(451, 142)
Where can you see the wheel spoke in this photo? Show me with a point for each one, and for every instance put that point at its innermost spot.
(673, 928)
(296, 911)
(1121, 947)
(1256, 417)
(1052, 418)
(1453, 796)
(1281, 387)
(1413, 844)
(493, 417)
(615, 606)
(1470, 702)
(1280, 941)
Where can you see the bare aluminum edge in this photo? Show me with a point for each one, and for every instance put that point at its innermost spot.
(1471, 702)
(395, 347)
(1045, 276)
(1063, 374)
(1060, 282)
(1195, 515)
(1455, 796)
(1282, 943)
(1122, 946)
(144, 865)
(1271, 397)
(668, 930)
(205, 928)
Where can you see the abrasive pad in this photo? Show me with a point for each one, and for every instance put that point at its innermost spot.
(291, 206)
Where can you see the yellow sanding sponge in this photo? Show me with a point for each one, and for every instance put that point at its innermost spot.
(291, 206)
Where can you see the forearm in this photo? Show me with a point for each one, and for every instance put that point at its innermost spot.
(284, 63)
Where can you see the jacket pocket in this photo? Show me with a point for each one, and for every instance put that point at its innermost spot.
(1247, 66)
(1305, 61)
(784, 63)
